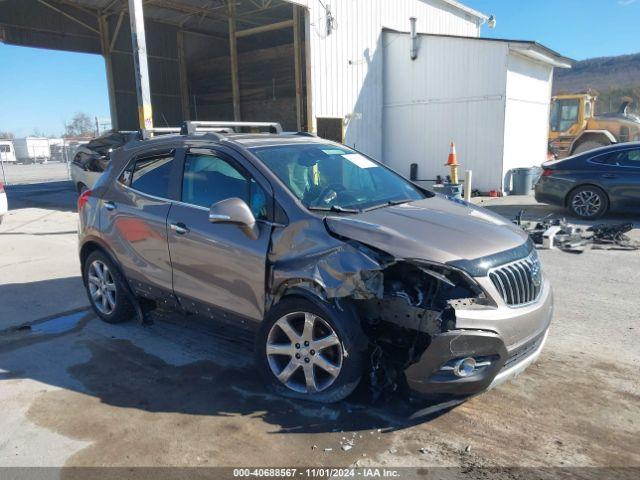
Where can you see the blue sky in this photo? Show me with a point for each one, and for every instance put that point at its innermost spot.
(41, 89)
(578, 29)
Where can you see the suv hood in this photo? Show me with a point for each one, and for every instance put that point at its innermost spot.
(435, 229)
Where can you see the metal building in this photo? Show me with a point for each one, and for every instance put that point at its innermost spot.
(490, 96)
(330, 66)
(310, 64)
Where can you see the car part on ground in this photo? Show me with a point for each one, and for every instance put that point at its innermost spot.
(557, 233)
(408, 289)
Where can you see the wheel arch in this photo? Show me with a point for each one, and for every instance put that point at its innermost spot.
(93, 244)
(602, 136)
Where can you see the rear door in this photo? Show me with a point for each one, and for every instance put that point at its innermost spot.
(218, 268)
(134, 220)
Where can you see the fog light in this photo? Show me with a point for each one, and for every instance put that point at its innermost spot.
(464, 367)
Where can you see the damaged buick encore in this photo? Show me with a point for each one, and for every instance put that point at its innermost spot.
(343, 269)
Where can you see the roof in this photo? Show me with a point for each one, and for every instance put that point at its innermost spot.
(464, 8)
(529, 48)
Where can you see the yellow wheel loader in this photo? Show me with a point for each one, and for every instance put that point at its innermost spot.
(573, 127)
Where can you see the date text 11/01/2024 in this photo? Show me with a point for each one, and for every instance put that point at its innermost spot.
(316, 472)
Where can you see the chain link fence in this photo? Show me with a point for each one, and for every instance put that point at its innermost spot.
(55, 168)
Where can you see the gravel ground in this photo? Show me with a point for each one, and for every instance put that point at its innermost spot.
(181, 392)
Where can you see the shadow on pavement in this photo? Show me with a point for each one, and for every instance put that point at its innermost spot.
(59, 196)
(179, 365)
(536, 212)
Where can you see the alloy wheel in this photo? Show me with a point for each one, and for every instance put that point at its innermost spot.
(102, 287)
(304, 352)
(586, 203)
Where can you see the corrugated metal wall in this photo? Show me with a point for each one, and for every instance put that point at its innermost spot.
(163, 75)
(347, 63)
(526, 130)
(454, 90)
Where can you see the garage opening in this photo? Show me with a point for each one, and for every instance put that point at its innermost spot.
(270, 62)
(207, 59)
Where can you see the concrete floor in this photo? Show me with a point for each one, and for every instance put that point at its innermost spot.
(77, 392)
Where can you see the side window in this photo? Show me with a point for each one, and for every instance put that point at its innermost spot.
(209, 179)
(149, 175)
(630, 158)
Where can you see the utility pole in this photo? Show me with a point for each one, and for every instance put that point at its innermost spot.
(97, 128)
(141, 68)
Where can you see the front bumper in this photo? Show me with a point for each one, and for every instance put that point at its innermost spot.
(504, 340)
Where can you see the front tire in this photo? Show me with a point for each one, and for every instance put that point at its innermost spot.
(588, 145)
(106, 289)
(310, 350)
(588, 202)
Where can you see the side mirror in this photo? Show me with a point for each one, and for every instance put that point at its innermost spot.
(235, 211)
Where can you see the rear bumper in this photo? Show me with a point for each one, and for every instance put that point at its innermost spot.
(552, 190)
(491, 342)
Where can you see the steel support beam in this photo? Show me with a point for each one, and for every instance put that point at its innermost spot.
(233, 54)
(106, 54)
(311, 124)
(265, 28)
(297, 65)
(141, 67)
(183, 75)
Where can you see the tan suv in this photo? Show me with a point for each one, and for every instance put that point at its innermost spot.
(342, 268)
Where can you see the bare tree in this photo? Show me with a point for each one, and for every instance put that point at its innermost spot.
(7, 135)
(81, 125)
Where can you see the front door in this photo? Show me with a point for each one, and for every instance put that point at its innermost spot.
(625, 173)
(219, 266)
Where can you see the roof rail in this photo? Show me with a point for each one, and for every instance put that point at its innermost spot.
(147, 133)
(190, 128)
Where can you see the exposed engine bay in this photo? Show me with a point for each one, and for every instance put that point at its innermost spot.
(418, 302)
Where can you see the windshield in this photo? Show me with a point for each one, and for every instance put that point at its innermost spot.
(328, 177)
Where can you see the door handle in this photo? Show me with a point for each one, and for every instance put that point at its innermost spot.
(609, 175)
(110, 206)
(179, 228)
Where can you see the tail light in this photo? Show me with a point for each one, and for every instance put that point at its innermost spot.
(1, 187)
(83, 199)
(547, 172)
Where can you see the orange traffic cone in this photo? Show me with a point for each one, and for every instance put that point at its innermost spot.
(452, 163)
(453, 157)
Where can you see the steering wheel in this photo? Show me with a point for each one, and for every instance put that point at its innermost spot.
(324, 193)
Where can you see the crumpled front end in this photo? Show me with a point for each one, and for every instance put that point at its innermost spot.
(432, 328)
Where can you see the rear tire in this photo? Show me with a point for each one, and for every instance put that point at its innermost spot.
(323, 362)
(106, 289)
(588, 202)
(588, 145)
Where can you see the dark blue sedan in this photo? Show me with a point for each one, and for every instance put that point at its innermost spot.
(594, 182)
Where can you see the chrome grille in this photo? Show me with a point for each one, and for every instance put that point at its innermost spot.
(519, 282)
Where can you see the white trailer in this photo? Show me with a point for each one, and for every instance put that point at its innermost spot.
(32, 149)
(7, 152)
(491, 97)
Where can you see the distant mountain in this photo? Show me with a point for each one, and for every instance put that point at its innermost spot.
(611, 77)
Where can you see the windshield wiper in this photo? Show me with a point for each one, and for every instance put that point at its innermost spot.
(334, 208)
(387, 204)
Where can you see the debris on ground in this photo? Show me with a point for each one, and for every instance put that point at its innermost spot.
(423, 450)
(550, 233)
(467, 449)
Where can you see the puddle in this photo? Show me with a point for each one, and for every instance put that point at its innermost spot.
(59, 324)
